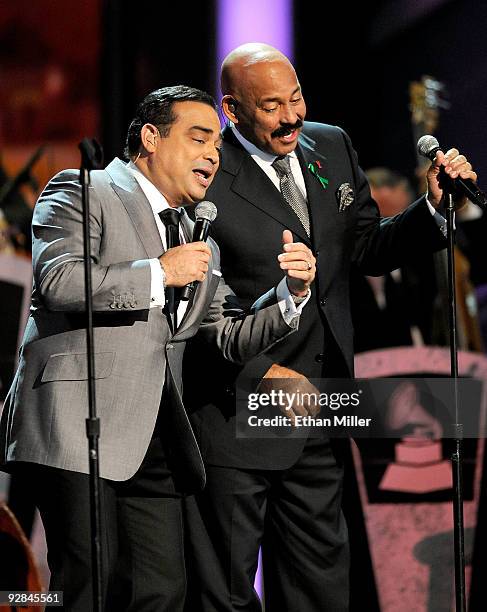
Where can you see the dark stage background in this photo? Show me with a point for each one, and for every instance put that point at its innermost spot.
(72, 69)
(354, 61)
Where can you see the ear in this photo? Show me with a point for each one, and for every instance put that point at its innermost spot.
(229, 108)
(148, 136)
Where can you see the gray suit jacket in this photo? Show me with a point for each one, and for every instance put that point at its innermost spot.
(44, 415)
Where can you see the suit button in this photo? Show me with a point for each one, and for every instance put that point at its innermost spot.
(322, 302)
(126, 304)
(169, 346)
(320, 357)
(113, 305)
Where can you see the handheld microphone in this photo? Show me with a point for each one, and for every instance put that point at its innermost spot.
(428, 146)
(205, 214)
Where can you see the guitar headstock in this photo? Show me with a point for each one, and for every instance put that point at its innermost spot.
(426, 99)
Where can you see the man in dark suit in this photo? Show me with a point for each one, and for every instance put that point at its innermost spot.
(141, 254)
(278, 172)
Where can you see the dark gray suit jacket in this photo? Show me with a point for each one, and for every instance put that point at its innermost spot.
(44, 416)
(251, 217)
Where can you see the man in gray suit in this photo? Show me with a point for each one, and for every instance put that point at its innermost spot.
(148, 454)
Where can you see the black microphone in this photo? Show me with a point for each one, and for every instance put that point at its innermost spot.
(205, 214)
(428, 146)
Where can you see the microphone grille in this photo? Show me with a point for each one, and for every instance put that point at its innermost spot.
(206, 210)
(426, 145)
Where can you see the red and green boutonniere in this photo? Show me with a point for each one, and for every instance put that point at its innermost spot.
(313, 167)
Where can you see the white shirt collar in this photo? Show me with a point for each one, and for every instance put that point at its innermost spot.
(253, 150)
(157, 201)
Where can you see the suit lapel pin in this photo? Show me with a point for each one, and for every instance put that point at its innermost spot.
(312, 167)
(345, 196)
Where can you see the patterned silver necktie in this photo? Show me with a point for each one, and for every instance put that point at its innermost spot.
(290, 191)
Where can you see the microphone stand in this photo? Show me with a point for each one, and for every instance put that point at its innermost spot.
(457, 454)
(91, 159)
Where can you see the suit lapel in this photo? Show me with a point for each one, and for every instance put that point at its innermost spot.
(252, 184)
(137, 206)
(195, 305)
(320, 200)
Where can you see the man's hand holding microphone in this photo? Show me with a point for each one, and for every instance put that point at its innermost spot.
(189, 262)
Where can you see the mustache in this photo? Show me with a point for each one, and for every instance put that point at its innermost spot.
(286, 128)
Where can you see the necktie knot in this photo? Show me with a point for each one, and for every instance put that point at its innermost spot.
(282, 165)
(170, 217)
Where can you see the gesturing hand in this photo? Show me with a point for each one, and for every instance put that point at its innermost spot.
(299, 264)
(186, 263)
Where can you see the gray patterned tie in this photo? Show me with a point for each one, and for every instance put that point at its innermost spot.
(290, 191)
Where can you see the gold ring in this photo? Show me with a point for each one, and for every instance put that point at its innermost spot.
(309, 266)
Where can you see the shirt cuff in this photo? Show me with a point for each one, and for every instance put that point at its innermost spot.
(289, 309)
(157, 297)
(432, 209)
(439, 218)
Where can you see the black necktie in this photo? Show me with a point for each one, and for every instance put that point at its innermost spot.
(171, 218)
(290, 191)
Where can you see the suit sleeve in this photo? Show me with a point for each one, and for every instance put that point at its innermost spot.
(240, 335)
(384, 244)
(57, 253)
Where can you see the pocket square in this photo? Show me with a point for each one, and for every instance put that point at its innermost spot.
(345, 196)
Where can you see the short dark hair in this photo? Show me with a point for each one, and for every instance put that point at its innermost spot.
(380, 176)
(157, 108)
